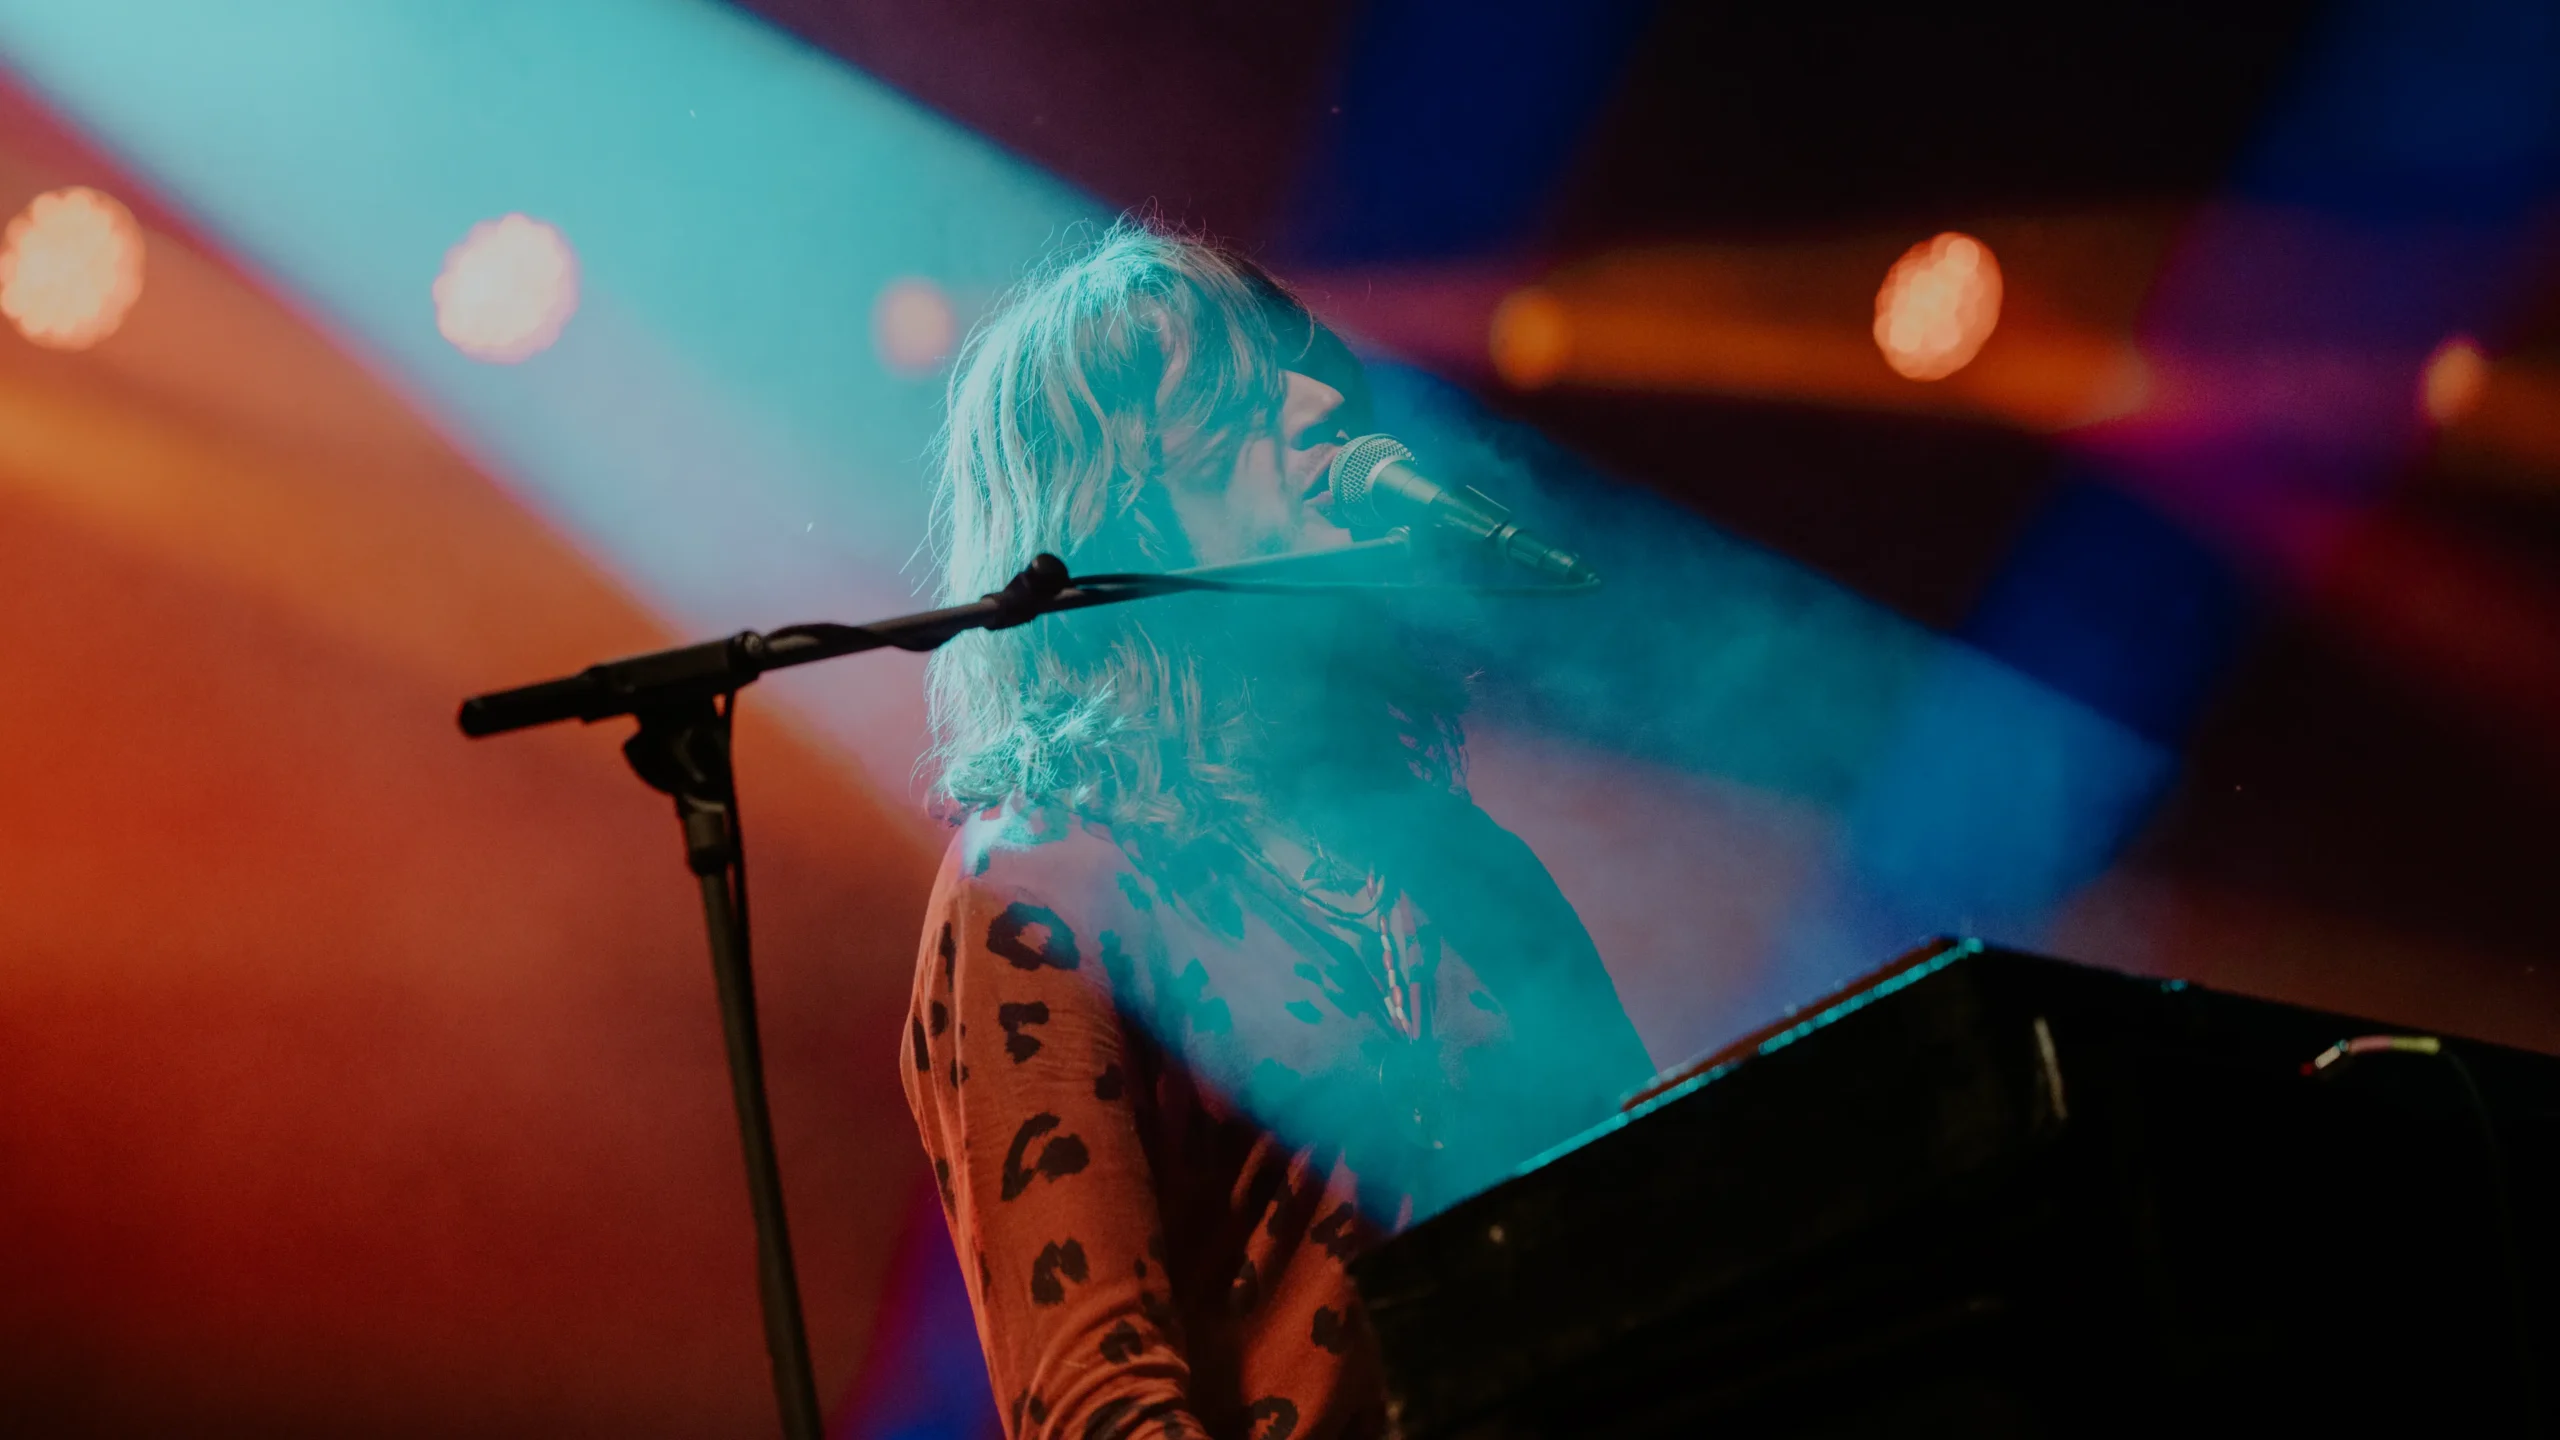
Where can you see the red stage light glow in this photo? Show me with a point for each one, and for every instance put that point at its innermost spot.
(913, 327)
(1531, 339)
(2451, 384)
(1938, 305)
(70, 268)
(507, 289)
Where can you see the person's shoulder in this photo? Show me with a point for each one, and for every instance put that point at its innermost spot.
(1019, 845)
(1019, 879)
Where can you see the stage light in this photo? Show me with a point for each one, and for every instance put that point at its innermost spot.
(1530, 339)
(2455, 376)
(507, 289)
(70, 268)
(913, 327)
(1939, 303)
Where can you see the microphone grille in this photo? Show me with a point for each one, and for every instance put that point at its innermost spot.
(1354, 469)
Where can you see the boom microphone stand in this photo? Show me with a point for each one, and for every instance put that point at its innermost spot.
(685, 699)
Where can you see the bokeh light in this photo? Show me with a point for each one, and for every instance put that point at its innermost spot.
(70, 268)
(1531, 338)
(1938, 305)
(2453, 380)
(507, 289)
(913, 326)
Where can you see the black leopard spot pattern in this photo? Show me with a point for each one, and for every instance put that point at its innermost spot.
(1330, 1332)
(1013, 1018)
(1121, 1344)
(1009, 936)
(1109, 1085)
(1135, 891)
(1279, 1411)
(1060, 1263)
(1294, 1211)
(1335, 1233)
(924, 1063)
(1060, 1157)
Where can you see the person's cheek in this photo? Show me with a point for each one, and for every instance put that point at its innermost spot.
(1263, 493)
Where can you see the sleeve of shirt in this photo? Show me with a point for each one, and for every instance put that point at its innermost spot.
(1023, 1092)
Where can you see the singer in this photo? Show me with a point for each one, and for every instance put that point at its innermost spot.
(1224, 975)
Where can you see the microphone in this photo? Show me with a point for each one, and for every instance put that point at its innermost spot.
(1376, 484)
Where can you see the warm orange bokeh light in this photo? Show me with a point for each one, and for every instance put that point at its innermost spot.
(507, 289)
(1939, 303)
(913, 326)
(70, 268)
(2455, 377)
(1532, 336)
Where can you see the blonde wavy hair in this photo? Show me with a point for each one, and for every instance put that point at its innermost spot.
(1135, 356)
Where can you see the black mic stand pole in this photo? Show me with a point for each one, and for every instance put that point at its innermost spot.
(682, 748)
(684, 700)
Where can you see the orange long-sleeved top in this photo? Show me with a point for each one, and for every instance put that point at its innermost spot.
(1166, 1109)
